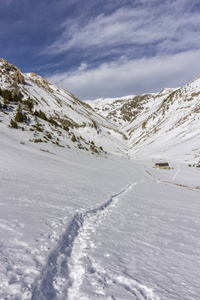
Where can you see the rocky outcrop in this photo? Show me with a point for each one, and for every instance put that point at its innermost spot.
(11, 72)
(18, 77)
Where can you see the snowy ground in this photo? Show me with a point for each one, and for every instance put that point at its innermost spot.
(76, 226)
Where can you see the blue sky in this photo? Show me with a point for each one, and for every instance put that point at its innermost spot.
(103, 48)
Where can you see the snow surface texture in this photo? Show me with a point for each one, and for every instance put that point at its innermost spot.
(76, 226)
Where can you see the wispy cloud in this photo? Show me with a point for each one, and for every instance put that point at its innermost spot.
(139, 47)
(124, 77)
(161, 25)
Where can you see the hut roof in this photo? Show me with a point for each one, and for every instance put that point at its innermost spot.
(162, 164)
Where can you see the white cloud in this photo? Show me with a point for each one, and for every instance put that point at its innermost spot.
(131, 77)
(164, 33)
(122, 27)
(166, 23)
(82, 67)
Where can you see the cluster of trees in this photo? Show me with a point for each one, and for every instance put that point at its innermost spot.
(7, 95)
(29, 104)
(22, 117)
(19, 117)
(40, 114)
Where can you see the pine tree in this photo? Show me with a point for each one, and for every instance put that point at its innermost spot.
(13, 124)
(73, 138)
(19, 115)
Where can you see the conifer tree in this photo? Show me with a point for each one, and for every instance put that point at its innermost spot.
(19, 115)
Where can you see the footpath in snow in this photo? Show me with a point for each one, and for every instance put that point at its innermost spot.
(63, 236)
(65, 269)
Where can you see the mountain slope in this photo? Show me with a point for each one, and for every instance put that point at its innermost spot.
(163, 125)
(76, 226)
(171, 128)
(52, 115)
(124, 109)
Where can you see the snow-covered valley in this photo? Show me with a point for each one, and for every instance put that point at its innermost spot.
(93, 218)
(77, 226)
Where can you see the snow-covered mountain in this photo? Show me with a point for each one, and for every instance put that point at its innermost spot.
(170, 126)
(53, 115)
(125, 109)
(163, 125)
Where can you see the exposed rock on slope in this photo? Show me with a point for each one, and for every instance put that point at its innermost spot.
(163, 125)
(51, 114)
(160, 125)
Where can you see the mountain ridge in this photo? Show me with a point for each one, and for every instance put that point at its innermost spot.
(162, 125)
(157, 123)
(71, 122)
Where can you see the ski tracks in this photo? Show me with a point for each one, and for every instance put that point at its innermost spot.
(65, 270)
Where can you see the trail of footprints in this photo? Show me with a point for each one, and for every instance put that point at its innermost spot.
(47, 241)
(66, 266)
(68, 262)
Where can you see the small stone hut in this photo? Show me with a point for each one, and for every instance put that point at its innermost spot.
(162, 166)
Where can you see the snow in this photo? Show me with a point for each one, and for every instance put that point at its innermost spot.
(167, 127)
(40, 194)
(76, 226)
(79, 226)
